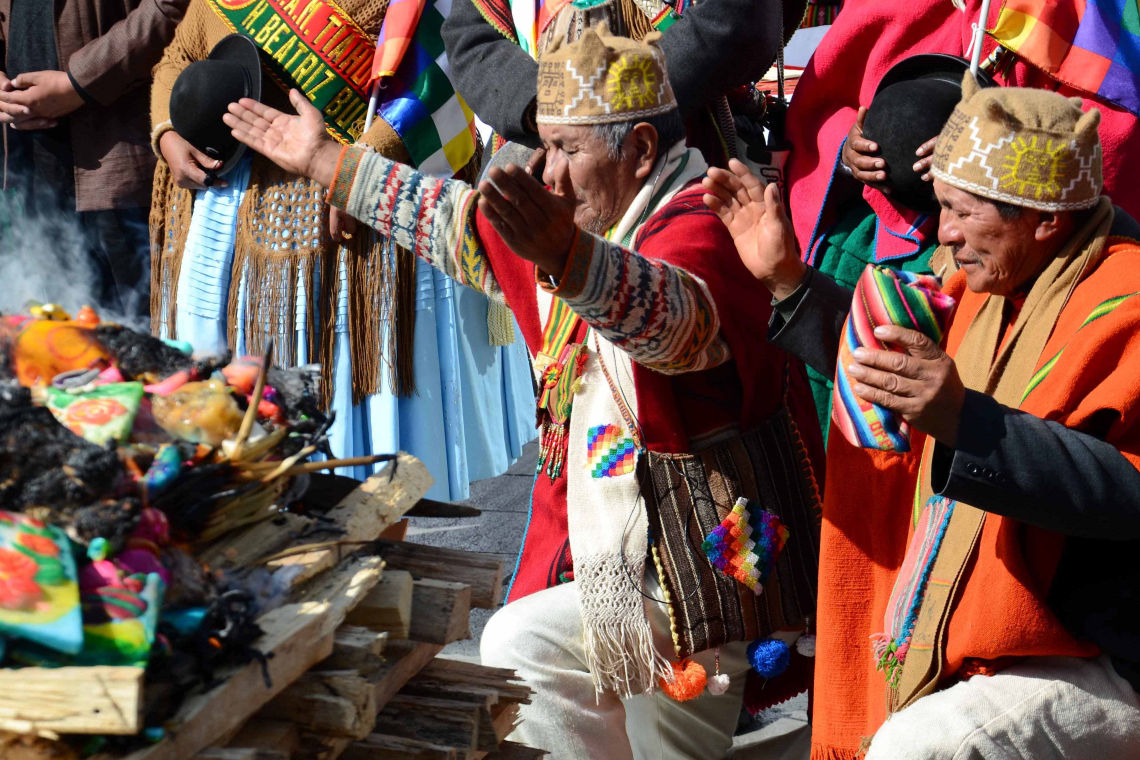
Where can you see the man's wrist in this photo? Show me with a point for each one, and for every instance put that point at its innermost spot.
(322, 168)
(786, 279)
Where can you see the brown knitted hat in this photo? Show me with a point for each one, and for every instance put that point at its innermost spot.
(1022, 146)
(599, 79)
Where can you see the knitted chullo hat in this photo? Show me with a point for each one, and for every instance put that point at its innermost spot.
(1022, 146)
(599, 79)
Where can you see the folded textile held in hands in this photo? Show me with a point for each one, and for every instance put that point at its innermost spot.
(882, 297)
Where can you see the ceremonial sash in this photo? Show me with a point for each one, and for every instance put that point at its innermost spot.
(315, 47)
(561, 363)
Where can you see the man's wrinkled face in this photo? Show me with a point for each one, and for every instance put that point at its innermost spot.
(604, 187)
(998, 256)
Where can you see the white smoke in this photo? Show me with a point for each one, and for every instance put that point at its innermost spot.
(45, 258)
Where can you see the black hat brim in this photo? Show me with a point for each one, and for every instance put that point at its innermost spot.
(241, 50)
(949, 68)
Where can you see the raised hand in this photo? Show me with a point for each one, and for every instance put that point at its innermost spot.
(298, 144)
(536, 223)
(754, 216)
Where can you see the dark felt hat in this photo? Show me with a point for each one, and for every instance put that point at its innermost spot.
(204, 90)
(912, 103)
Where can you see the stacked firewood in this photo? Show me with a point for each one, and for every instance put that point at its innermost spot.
(350, 667)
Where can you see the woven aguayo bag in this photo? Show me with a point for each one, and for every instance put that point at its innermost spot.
(688, 495)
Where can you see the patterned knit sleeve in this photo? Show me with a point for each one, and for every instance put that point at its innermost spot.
(435, 218)
(661, 315)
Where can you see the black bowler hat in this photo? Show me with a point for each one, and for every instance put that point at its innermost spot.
(912, 103)
(204, 90)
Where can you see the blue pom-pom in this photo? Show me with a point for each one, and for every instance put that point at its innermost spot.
(769, 657)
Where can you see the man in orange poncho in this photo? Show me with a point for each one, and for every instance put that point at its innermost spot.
(995, 565)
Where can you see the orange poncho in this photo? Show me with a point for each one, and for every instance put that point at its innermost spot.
(1001, 609)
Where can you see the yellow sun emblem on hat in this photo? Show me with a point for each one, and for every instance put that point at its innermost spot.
(1033, 169)
(632, 84)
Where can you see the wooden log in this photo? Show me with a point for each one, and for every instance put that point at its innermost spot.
(277, 735)
(403, 660)
(319, 747)
(332, 703)
(96, 700)
(293, 634)
(388, 606)
(240, 753)
(503, 680)
(441, 611)
(246, 546)
(438, 721)
(356, 648)
(381, 747)
(364, 514)
(483, 572)
(433, 508)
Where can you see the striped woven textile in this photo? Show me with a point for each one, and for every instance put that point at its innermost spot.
(884, 296)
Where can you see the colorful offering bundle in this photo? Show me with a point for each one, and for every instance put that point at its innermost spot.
(884, 297)
(746, 545)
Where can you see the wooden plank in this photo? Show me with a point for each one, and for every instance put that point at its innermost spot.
(278, 735)
(356, 648)
(240, 753)
(441, 611)
(364, 514)
(404, 660)
(504, 720)
(503, 680)
(319, 747)
(483, 572)
(396, 532)
(333, 703)
(341, 590)
(388, 606)
(381, 747)
(438, 721)
(293, 634)
(245, 546)
(96, 700)
(433, 508)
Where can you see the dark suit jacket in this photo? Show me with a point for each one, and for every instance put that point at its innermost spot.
(109, 48)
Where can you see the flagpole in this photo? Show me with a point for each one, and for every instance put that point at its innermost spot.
(376, 93)
(979, 35)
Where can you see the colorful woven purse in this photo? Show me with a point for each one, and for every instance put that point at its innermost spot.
(692, 505)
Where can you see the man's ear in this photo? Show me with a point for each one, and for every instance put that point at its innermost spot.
(1050, 224)
(643, 141)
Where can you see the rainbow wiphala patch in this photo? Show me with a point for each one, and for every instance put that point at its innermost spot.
(608, 452)
(746, 545)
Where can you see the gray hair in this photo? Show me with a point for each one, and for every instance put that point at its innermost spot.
(670, 130)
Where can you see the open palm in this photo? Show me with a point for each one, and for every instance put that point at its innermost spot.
(754, 216)
(298, 144)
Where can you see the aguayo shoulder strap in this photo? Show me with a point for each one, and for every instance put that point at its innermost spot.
(315, 47)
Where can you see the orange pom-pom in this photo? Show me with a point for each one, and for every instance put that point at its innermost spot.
(689, 680)
(87, 317)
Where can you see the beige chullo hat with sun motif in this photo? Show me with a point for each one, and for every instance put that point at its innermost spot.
(1021, 146)
(600, 79)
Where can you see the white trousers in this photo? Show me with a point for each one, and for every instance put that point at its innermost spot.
(1046, 708)
(540, 636)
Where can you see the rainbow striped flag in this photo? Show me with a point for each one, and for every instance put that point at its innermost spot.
(416, 95)
(1092, 45)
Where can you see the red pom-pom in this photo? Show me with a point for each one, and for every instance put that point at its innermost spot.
(689, 680)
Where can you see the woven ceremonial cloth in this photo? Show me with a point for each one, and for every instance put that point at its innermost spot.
(882, 297)
(417, 97)
(1092, 45)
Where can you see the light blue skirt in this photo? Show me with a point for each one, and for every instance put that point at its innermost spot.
(473, 408)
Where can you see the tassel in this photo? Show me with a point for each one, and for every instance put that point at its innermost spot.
(769, 657)
(805, 645)
(689, 680)
(500, 324)
(719, 683)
